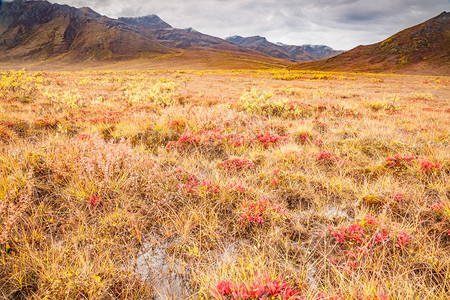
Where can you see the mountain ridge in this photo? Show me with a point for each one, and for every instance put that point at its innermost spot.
(39, 31)
(420, 49)
(280, 50)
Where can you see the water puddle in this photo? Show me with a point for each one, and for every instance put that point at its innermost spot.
(311, 275)
(332, 212)
(168, 278)
(329, 212)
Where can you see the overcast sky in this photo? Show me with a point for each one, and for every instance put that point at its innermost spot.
(341, 24)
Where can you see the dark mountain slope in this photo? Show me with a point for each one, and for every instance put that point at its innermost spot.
(41, 30)
(421, 49)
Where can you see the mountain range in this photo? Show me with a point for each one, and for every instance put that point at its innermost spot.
(279, 50)
(40, 30)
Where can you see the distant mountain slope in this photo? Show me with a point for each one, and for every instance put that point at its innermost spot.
(153, 27)
(298, 53)
(41, 30)
(421, 49)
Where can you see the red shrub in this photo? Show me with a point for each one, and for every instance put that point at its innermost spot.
(237, 164)
(428, 167)
(400, 161)
(266, 288)
(327, 157)
(257, 213)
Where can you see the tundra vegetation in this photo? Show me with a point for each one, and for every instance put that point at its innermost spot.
(241, 184)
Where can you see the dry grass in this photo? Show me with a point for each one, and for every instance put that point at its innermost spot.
(183, 184)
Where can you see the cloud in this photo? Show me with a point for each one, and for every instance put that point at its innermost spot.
(342, 24)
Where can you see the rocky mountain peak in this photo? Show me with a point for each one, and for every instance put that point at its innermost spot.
(152, 21)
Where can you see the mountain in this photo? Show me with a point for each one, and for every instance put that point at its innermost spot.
(317, 51)
(39, 31)
(298, 53)
(155, 28)
(421, 49)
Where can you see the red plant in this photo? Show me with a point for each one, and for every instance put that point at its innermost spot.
(237, 187)
(188, 182)
(402, 239)
(318, 142)
(185, 141)
(429, 167)
(400, 161)
(349, 235)
(225, 288)
(369, 219)
(304, 137)
(327, 157)
(360, 239)
(4, 135)
(108, 117)
(439, 206)
(265, 288)
(191, 184)
(442, 209)
(208, 186)
(84, 137)
(8, 124)
(381, 237)
(398, 196)
(268, 139)
(269, 288)
(256, 213)
(94, 201)
(237, 164)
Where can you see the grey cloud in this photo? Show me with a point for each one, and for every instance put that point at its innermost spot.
(363, 16)
(131, 11)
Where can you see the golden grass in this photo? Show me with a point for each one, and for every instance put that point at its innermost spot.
(134, 184)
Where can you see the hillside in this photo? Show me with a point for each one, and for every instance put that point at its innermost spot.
(155, 28)
(40, 30)
(298, 53)
(421, 49)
